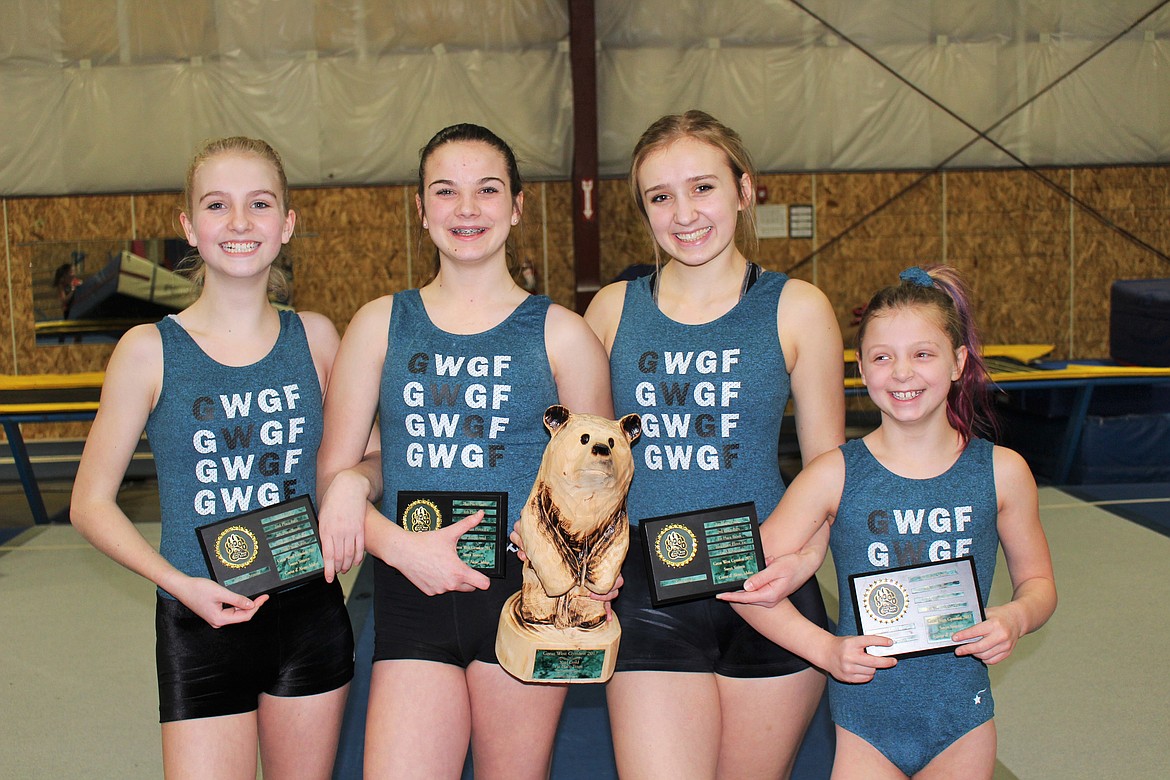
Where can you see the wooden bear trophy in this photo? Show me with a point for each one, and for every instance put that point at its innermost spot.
(576, 534)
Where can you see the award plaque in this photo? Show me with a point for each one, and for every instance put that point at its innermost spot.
(694, 555)
(482, 548)
(265, 550)
(919, 607)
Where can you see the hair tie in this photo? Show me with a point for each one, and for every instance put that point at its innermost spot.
(916, 275)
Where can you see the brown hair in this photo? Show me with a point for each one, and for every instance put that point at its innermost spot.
(941, 293)
(465, 133)
(705, 128)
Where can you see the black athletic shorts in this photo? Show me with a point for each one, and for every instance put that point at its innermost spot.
(299, 643)
(699, 636)
(451, 628)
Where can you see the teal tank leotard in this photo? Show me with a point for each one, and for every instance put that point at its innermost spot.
(914, 711)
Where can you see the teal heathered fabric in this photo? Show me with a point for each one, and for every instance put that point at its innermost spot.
(915, 710)
(464, 412)
(227, 439)
(711, 397)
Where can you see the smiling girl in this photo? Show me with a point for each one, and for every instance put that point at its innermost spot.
(928, 716)
(710, 320)
(233, 672)
(459, 374)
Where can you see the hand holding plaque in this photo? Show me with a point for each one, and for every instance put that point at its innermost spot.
(918, 607)
(265, 550)
(576, 534)
(482, 548)
(694, 555)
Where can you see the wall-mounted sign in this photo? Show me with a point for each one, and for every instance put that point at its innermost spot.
(801, 221)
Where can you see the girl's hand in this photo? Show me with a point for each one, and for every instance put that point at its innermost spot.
(342, 523)
(849, 662)
(607, 598)
(216, 604)
(432, 563)
(518, 542)
(998, 636)
(782, 577)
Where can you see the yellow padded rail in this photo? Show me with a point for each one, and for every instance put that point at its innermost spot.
(51, 381)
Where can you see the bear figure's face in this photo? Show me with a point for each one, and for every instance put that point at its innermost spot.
(589, 453)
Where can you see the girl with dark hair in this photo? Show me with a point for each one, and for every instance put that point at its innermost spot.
(458, 373)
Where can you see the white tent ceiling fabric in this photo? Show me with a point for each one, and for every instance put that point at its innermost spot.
(113, 95)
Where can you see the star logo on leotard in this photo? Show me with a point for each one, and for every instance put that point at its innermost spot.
(979, 696)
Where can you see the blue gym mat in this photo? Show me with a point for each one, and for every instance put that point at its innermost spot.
(1147, 504)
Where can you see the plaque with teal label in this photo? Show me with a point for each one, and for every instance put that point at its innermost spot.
(919, 607)
(694, 555)
(482, 548)
(265, 550)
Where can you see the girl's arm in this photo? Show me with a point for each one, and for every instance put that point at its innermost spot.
(351, 400)
(580, 367)
(1029, 562)
(349, 475)
(797, 525)
(805, 512)
(605, 312)
(361, 483)
(844, 657)
(579, 363)
(811, 340)
(132, 382)
(323, 343)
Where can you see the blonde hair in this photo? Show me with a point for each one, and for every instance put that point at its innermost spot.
(703, 127)
(192, 264)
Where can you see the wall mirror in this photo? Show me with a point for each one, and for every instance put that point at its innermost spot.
(94, 291)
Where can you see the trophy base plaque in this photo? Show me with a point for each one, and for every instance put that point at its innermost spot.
(547, 654)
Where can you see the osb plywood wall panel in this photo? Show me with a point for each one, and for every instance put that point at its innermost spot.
(352, 246)
(1009, 232)
(552, 244)
(869, 227)
(1040, 269)
(7, 310)
(156, 215)
(55, 219)
(1130, 207)
(624, 241)
(792, 255)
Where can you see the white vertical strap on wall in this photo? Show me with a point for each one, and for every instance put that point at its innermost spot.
(1072, 264)
(11, 308)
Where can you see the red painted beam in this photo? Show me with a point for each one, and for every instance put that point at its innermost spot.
(586, 230)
